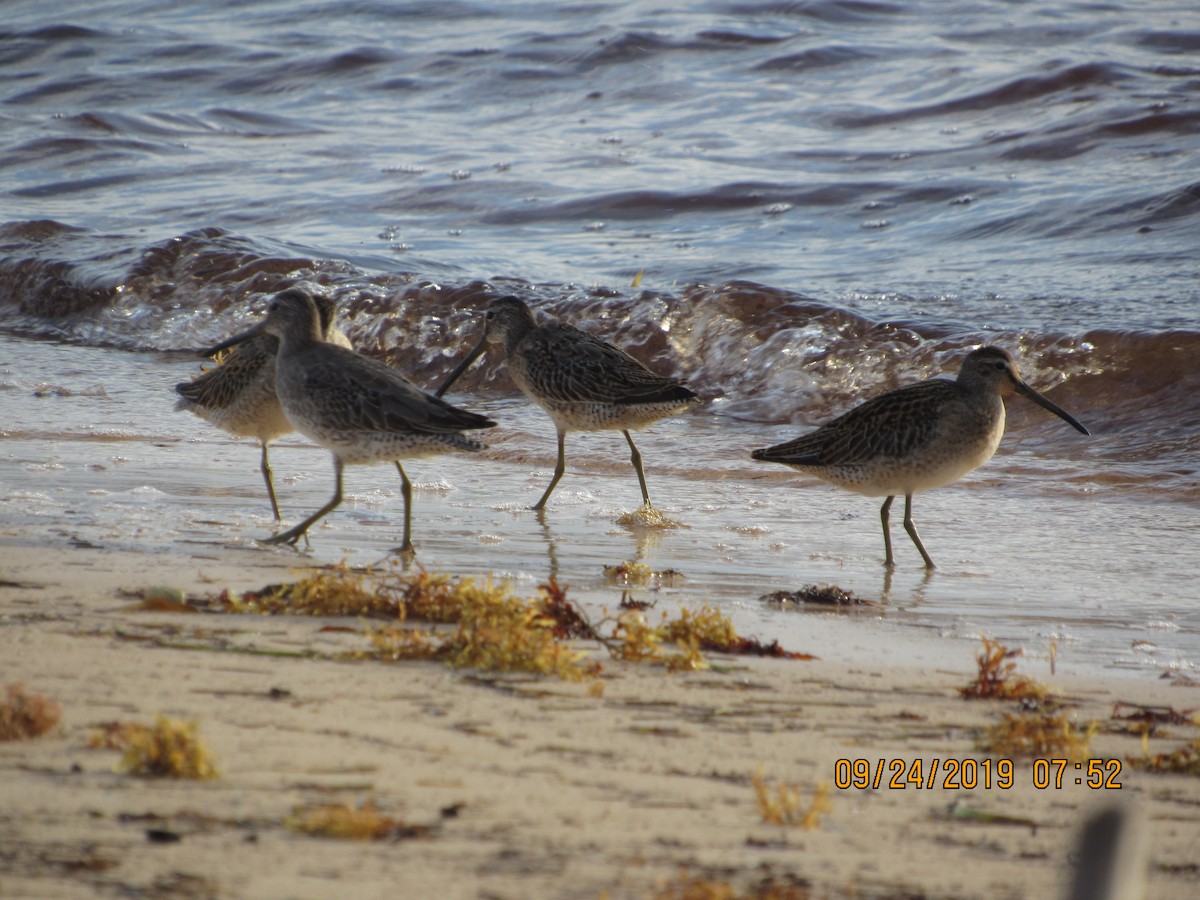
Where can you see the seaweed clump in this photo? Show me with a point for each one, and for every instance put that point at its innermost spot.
(338, 591)
(638, 573)
(827, 595)
(1146, 720)
(692, 632)
(170, 748)
(345, 822)
(494, 630)
(480, 624)
(996, 678)
(25, 715)
(706, 887)
(1040, 735)
(784, 806)
(1184, 760)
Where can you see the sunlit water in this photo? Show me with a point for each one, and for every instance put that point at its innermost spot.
(96, 456)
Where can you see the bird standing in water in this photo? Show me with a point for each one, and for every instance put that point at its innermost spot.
(238, 395)
(584, 383)
(916, 437)
(360, 409)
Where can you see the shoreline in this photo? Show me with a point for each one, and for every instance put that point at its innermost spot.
(96, 454)
(521, 786)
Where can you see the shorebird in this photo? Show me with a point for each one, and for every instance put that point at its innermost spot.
(916, 437)
(584, 383)
(238, 396)
(359, 409)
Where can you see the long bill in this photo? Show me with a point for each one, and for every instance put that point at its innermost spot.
(1026, 391)
(462, 366)
(255, 331)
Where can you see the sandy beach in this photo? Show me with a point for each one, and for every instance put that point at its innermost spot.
(634, 784)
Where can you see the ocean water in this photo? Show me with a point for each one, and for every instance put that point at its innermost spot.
(791, 205)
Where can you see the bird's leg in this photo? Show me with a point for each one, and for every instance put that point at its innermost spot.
(406, 493)
(636, 459)
(889, 560)
(293, 534)
(268, 477)
(558, 470)
(911, 528)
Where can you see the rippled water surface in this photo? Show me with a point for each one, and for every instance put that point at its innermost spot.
(1004, 163)
(792, 205)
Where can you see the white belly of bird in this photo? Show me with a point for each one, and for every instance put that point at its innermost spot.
(254, 412)
(595, 416)
(355, 448)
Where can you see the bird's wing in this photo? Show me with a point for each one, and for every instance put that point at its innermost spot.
(359, 393)
(567, 364)
(891, 425)
(217, 387)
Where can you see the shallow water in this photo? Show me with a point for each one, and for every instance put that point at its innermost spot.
(98, 459)
(791, 205)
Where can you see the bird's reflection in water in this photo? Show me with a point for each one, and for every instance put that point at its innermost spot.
(917, 597)
(644, 542)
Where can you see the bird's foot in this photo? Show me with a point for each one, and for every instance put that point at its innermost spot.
(287, 537)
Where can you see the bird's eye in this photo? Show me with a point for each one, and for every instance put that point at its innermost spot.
(490, 314)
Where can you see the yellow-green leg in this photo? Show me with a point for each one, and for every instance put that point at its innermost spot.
(888, 560)
(293, 534)
(636, 458)
(269, 478)
(406, 493)
(559, 469)
(911, 527)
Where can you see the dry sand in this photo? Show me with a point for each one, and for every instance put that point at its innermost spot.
(520, 787)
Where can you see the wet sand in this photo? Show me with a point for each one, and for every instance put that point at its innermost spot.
(96, 455)
(530, 787)
(521, 787)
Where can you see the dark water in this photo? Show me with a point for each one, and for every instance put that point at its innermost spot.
(789, 203)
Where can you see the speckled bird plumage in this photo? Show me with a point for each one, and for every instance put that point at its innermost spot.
(362, 409)
(909, 440)
(916, 437)
(358, 408)
(581, 381)
(238, 395)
